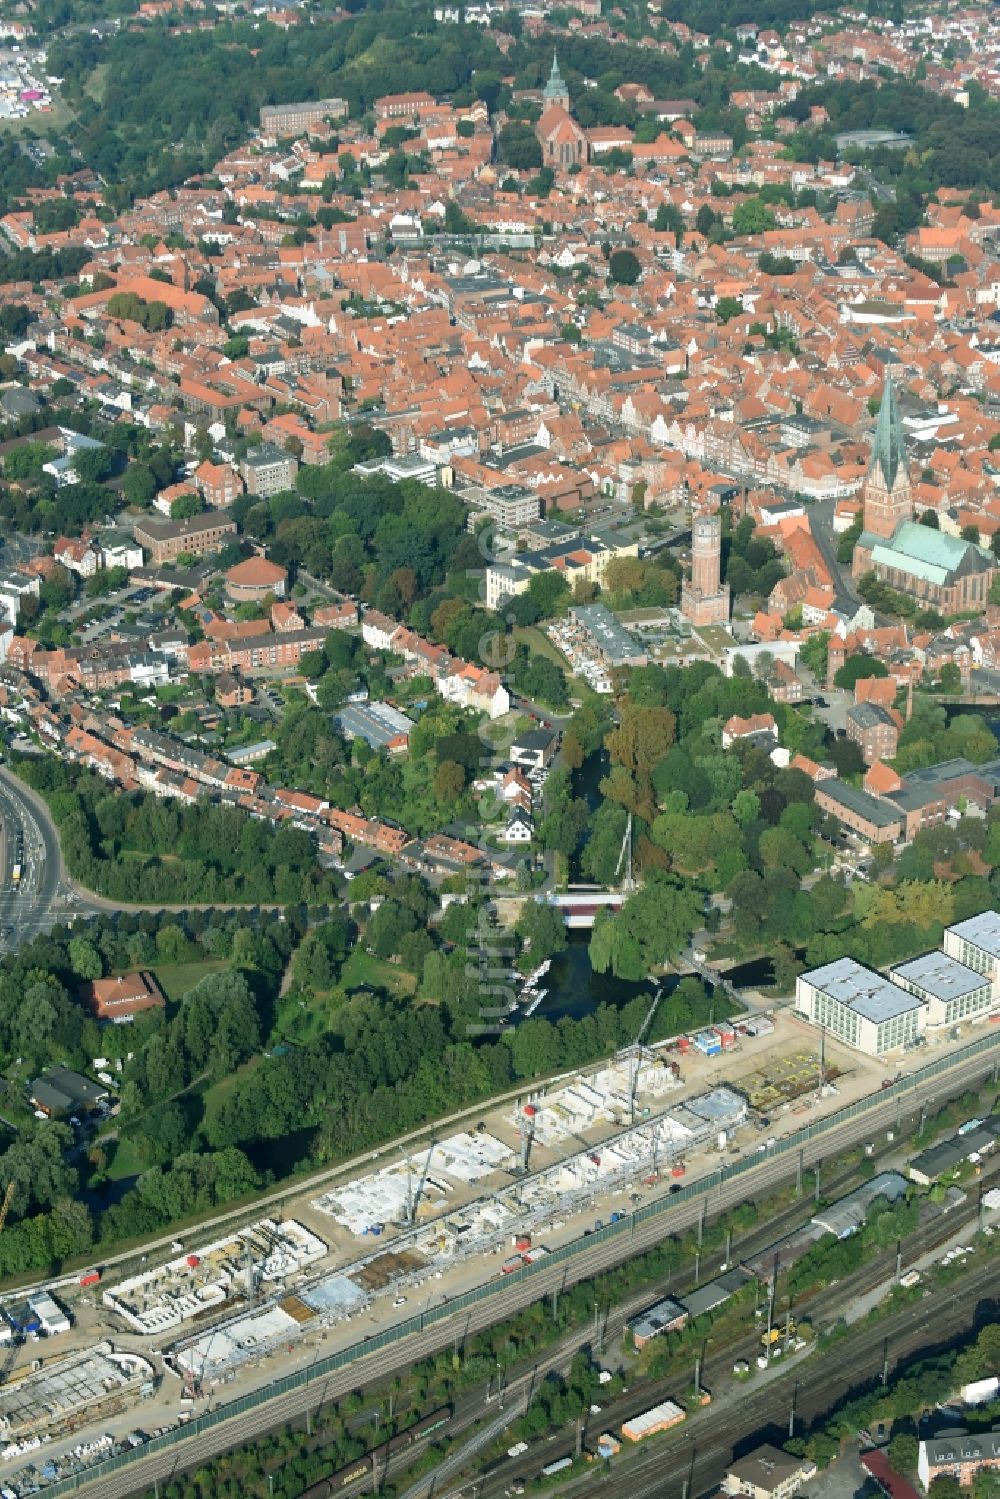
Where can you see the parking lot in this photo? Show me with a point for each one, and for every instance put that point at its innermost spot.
(844, 1479)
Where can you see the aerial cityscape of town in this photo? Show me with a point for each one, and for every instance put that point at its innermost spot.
(499, 749)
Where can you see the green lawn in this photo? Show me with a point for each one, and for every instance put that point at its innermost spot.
(124, 1159)
(302, 1020)
(539, 644)
(362, 968)
(212, 1094)
(175, 979)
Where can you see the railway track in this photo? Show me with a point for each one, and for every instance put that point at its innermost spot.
(469, 1411)
(187, 1451)
(700, 1457)
(822, 1306)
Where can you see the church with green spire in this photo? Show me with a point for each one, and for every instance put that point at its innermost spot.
(555, 91)
(943, 572)
(564, 145)
(887, 496)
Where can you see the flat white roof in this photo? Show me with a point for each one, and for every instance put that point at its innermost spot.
(943, 977)
(982, 931)
(868, 994)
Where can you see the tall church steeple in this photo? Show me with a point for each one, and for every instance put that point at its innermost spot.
(888, 452)
(887, 497)
(555, 91)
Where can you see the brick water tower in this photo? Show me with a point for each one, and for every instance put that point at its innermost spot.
(705, 599)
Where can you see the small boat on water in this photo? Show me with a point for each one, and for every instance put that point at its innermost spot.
(534, 1002)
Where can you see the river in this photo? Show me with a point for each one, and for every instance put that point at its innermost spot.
(572, 987)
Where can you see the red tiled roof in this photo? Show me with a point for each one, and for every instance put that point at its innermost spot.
(885, 1475)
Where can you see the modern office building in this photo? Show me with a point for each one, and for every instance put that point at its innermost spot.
(976, 943)
(951, 991)
(610, 640)
(268, 470)
(861, 1008)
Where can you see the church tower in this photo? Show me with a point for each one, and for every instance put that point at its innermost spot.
(886, 494)
(555, 91)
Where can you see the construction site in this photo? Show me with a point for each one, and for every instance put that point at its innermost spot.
(448, 1215)
(184, 1289)
(526, 1205)
(60, 1397)
(786, 1079)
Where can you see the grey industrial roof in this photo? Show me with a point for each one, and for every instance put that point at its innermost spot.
(533, 739)
(718, 1106)
(265, 454)
(982, 931)
(848, 1214)
(937, 974)
(655, 1318)
(767, 1469)
(867, 715)
(62, 1090)
(942, 772)
(868, 994)
(615, 642)
(869, 807)
(376, 723)
(707, 1297)
(948, 1154)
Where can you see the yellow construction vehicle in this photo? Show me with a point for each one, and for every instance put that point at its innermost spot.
(774, 1337)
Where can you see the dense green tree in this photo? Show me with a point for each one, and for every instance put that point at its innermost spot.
(652, 927)
(542, 930)
(518, 147)
(727, 308)
(624, 267)
(752, 217)
(903, 1451)
(858, 668)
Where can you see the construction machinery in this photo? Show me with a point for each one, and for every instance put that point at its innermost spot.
(635, 1053)
(10, 1353)
(775, 1335)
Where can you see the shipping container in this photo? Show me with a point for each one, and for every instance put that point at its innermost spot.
(658, 1418)
(557, 1467)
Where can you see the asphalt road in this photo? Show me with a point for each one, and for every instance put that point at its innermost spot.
(242, 1427)
(40, 901)
(820, 516)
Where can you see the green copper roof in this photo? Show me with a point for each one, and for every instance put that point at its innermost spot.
(888, 450)
(555, 88)
(929, 554)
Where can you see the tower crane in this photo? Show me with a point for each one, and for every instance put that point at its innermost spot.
(11, 1352)
(637, 1052)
